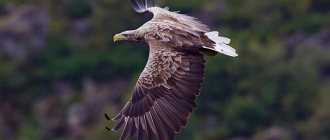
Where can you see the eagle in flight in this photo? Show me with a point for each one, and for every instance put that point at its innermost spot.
(165, 93)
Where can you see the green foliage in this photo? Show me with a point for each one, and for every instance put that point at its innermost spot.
(29, 131)
(78, 8)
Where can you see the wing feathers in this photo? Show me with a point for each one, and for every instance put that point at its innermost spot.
(118, 125)
(183, 102)
(143, 122)
(176, 112)
(127, 129)
(159, 125)
(151, 123)
(167, 123)
(141, 131)
(160, 109)
(151, 134)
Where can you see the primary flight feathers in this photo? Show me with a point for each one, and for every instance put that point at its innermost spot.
(165, 93)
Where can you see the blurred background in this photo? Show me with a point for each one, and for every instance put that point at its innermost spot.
(60, 71)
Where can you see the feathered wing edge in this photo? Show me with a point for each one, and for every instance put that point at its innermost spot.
(141, 6)
(158, 112)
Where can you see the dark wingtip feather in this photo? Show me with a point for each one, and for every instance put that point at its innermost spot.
(108, 128)
(106, 116)
(141, 6)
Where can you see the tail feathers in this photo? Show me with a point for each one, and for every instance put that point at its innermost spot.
(225, 49)
(221, 44)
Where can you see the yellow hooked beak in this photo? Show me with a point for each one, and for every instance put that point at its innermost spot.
(116, 38)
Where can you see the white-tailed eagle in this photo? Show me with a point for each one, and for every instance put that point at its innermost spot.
(165, 93)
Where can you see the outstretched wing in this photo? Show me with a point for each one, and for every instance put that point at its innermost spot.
(164, 95)
(141, 6)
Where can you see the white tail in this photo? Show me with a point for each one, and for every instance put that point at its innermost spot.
(221, 44)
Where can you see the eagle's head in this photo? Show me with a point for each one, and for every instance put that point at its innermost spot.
(131, 36)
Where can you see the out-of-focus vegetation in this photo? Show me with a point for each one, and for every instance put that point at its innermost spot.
(60, 71)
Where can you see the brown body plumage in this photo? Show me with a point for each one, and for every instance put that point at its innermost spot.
(166, 90)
